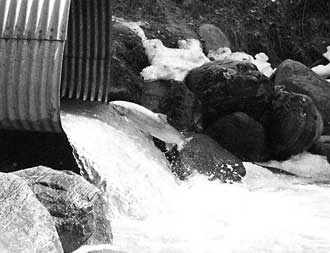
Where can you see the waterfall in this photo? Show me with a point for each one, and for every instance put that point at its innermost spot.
(152, 211)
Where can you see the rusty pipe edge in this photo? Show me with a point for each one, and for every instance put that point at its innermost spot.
(51, 49)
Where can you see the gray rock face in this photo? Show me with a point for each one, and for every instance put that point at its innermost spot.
(295, 124)
(226, 87)
(204, 155)
(78, 208)
(171, 98)
(25, 224)
(213, 37)
(296, 77)
(241, 135)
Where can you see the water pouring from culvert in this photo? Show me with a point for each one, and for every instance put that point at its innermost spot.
(152, 211)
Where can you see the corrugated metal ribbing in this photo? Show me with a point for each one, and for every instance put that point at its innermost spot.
(32, 36)
(86, 69)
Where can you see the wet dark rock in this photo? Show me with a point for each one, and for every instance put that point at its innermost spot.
(205, 156)
(25, 224)
(295, 124)
(241, 135)
(213, 37)
(128, 59)
(225, 87)
(296, 77)
(171, 98)
(78, 207)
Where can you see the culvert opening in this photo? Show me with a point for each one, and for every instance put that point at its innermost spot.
(43, 61)
(87, 54)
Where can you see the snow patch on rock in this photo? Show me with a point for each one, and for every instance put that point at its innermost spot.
(172, 63)
(167, 63)
(305, 165)
(323, 70)
(259, 60)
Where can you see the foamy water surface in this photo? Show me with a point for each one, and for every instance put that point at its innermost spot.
(154, 212)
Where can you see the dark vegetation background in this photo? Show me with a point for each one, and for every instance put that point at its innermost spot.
(296, 29)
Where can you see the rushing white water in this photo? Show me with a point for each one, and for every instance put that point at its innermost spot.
(154, 212)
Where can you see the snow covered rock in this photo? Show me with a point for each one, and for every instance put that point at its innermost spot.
(25, 224)
(172, 63)
(323, 70)
(78, 208)
(296, 77)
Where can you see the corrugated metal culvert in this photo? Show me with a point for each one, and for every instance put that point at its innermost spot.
(37, 38)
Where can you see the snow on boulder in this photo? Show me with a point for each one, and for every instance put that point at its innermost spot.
(167, 63)
(327, 53)
(260, 60)
(172, 63)
(323, 70)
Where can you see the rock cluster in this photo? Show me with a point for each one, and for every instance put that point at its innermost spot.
(256, 118)
(50, 211)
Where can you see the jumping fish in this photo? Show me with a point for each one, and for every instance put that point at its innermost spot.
(154, 124)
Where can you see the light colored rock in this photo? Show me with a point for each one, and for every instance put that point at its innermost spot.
(77, 206)
(25, 224)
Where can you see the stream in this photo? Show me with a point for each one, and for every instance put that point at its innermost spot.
(152, 211)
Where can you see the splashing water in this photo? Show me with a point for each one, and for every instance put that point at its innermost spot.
(154, 212)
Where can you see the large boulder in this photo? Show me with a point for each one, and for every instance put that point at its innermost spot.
(128, 59)
(171, 98)
(25, 224)
(78, 207)
(225, 87)
(213, 37)
(241, 135)
(296, 77)
(203, 155)
(294, 125)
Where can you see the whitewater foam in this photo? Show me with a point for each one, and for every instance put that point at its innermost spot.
(154, 212)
